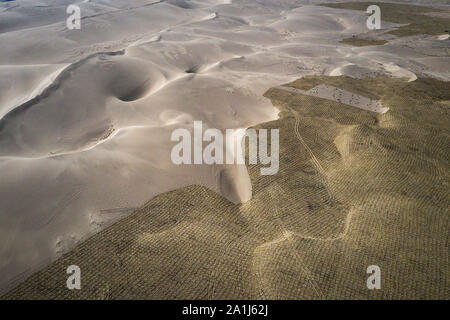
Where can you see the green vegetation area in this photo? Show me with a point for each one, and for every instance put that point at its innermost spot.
(355, 188)
(414, 17)
(358, 42)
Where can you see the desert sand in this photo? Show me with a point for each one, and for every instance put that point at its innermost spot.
(86, 115)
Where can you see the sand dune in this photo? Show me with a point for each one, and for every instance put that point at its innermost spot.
(21, 83)
(86, 115)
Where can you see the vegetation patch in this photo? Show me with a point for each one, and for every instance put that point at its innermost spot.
(416, 19)
(359, 42)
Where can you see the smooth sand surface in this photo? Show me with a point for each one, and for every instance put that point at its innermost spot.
(86, 115)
